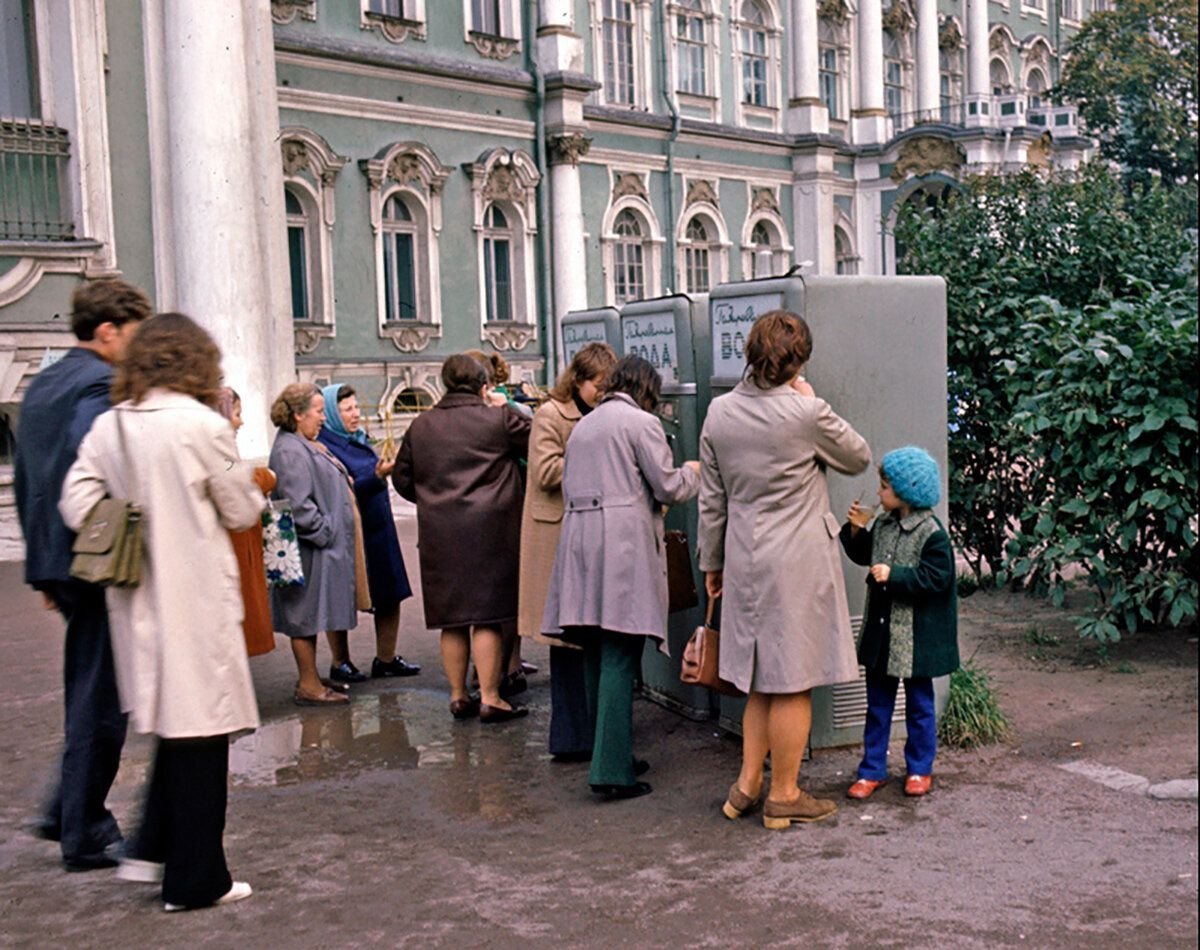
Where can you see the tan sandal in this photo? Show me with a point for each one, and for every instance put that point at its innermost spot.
(327, 697)
(738, 803)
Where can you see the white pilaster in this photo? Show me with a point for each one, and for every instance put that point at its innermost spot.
(869, 115)
(813, 209)
(806, 111)
(978, 83)
(567, 232)
(928, 71)
(559, 47)
(220, 252)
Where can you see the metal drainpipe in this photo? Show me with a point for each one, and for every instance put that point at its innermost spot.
(545, 291)
(676, 123)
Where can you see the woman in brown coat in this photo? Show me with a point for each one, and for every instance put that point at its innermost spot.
(459, 462)
(576, 393)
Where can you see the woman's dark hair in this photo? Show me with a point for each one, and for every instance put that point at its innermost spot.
(592, 360)
(294, 400)
(107, 300)
(345, 392)
(173, 352)
(463, 374)
(779, 345)
(637, 378)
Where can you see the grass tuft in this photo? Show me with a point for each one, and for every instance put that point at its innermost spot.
(972, 717)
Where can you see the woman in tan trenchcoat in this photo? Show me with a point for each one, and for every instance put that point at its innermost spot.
(576, 393)
(177, 637)
(769, 543)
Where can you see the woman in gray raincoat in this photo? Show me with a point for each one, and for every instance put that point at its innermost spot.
(608, 591)
(769, 543)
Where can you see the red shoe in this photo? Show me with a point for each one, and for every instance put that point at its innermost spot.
(916, 785)
(864, 788)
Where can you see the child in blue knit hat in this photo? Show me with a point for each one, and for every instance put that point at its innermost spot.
(910, 623)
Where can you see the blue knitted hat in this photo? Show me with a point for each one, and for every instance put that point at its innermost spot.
(913, 475)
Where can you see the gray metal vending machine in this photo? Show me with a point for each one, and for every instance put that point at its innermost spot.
(670, 332)
(879, 359)
(580, 327)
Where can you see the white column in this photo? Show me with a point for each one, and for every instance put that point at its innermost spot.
(567, 228)
(978, 83)
(556, 13)
(806, 111)
(217, 182)
(869, 115)
(928, 68)
(559, 48)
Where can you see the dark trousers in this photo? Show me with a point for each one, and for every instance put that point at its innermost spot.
(611, 665)
(572, 727)
(920, 719)
(184, 819)
(93, 727)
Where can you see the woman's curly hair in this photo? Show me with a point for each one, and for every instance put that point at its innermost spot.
(170, 351)
(779, 345)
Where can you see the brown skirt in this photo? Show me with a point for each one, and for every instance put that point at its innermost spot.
(256, 623)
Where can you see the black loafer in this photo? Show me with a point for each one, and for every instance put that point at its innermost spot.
(512, 685)
(347, 672)
(640, 766)
(397, 666)
(492, 714)
(110, 857)
(614, 793)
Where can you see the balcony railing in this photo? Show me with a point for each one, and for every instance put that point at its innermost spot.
(1004, 111)
(33, 162)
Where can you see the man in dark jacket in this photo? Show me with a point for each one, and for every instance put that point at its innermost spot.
(56, 413)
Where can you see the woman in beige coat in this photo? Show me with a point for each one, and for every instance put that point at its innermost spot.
(177, 638)
(576, 393)
(769, 543)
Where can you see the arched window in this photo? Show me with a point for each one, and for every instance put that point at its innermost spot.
(629, 268)
(893, 74)
(830, 64)
(999, 75)
(755, 59)
(691, 48)
(497, 264)
(845, 260)
(696, 257)
(764, 251)
(1035, 88)
(763, 245)
(299, 245)
(400, 237)
(950, 81)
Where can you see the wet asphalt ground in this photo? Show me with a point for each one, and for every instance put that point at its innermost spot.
(389, 824)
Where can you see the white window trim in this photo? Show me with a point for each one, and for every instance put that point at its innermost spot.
(841, 44)
(652, 244)
(718, 258)
(710, 100)
(392, 29)
(508, 179)
(744, 111)
(412, 170)
(490, 45)
(904, 40)
(305, 151)
(842, 223)
(642, 35)
(781, 254)
(77, 102)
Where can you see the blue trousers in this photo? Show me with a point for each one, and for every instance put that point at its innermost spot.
(94, 726)
(571, 725)
(920, 718)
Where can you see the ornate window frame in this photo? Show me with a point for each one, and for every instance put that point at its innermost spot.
(833, 36)
(502, 42)
(310, 169)
(629, 193)
(410, 24)
(764, 209)
(708, 100)
(1036, 58)
(747, 113)
(284, 12)
(509, 179)
(899, 23)
(69, 55)
(1001, 46)
(701, 202)
(412, 170)
(846, 259)
(640, 51)
(951, 68)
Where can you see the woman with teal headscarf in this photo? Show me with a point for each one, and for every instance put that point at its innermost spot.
(387, 579)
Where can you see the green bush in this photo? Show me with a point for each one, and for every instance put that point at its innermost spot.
(972, 716)
(1072, 357)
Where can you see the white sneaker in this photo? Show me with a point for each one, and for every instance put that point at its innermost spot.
(140, 872)
(239, 892)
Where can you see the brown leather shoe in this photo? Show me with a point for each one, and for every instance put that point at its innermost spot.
(738, 803)
(917, 785)
(464, 708)
(779, 815)
(495, 714)
(864, 788)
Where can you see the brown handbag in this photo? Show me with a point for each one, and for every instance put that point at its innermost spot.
(701, 656)
(681, 583)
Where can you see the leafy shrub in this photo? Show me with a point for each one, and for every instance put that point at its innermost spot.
(972, 716)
